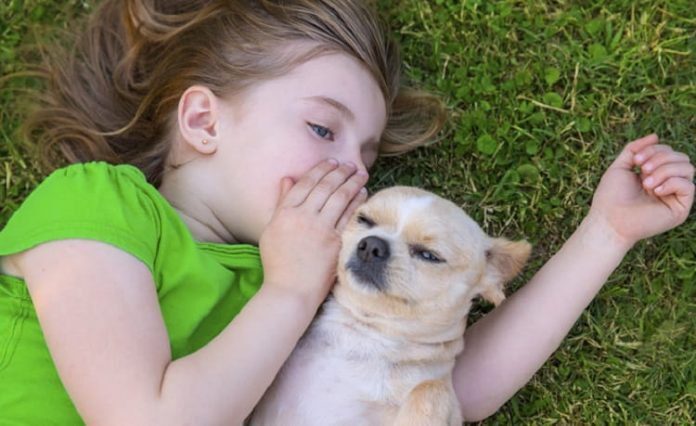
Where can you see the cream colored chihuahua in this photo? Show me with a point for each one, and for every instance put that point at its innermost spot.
(382, 348)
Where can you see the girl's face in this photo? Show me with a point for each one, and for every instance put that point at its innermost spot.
(327, 107)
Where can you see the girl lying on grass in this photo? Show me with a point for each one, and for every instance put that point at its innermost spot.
(217, 150)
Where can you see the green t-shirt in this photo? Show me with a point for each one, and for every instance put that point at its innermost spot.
(200, 286)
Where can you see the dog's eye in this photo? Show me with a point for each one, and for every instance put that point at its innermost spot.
(425, 254)
(364, 220)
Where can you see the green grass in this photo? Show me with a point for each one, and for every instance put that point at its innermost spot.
(542, 97)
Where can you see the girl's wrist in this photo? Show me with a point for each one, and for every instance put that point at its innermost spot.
(597, 233)
(300, 301)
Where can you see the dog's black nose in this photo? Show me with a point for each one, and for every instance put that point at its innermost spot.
(373, 249)
(370, 262)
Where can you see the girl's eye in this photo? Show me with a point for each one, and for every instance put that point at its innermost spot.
(425, 255)
(321, 131)
(364, 220)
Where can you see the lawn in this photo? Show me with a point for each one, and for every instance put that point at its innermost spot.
(542, 96)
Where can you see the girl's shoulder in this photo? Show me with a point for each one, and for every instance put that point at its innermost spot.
(92, 191)
(95, 200)
(96, 173)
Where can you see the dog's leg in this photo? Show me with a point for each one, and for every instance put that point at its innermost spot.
(431, 403)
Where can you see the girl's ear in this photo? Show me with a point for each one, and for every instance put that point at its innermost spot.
(198, 119)
(505, 259)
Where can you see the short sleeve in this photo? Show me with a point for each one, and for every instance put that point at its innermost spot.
(96, 201)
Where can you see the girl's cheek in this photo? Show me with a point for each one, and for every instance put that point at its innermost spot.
(309, 161)
(302, 155)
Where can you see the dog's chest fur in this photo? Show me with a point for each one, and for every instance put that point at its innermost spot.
(344, 372)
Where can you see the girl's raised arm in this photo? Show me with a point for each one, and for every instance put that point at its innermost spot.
(98, 309)
(504, 349)
(100, 316)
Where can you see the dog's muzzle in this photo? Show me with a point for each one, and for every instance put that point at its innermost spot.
(369, 262)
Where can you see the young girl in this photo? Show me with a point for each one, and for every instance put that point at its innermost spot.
(132, 289)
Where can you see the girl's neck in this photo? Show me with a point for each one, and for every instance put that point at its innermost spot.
(193, 211)
(201, 231)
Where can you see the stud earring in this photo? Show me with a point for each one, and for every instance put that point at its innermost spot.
(205, 141)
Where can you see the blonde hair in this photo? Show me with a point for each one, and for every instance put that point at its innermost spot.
(112, 96)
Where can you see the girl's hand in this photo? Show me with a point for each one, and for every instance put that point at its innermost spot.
(640, 206)
(299, 247)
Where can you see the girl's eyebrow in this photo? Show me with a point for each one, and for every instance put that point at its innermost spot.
(344, 110)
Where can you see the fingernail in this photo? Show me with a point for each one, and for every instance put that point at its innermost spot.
(647, 167)
(660, 188)
(363, 191)
(639, 158)
(332, 161)
(649, 182)
(351, 165)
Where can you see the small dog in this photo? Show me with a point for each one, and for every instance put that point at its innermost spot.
(382, 347)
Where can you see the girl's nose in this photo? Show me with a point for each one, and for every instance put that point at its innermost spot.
(360, 165)
(355, 158)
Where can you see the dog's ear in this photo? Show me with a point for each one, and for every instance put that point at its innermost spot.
(504, 260)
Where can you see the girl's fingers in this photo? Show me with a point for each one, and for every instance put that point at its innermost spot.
(625, 160)
(330, 184)
(678, 194)
(286, 185)
(306, 184)
(348, 213)
(682, 170)
(660, 158)
(342, 197)
(678, 186)
(638, 144)
(650, 151)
